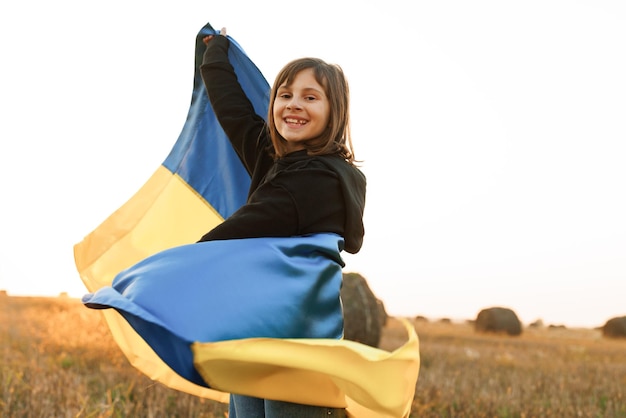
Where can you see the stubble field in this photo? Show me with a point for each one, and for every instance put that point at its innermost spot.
(59, 360)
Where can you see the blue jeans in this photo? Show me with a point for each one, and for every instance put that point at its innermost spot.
(248, 407)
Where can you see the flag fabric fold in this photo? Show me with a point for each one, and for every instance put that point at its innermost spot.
(203, 292)
(194, 316)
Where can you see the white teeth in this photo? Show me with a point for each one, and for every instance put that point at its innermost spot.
(301, 122)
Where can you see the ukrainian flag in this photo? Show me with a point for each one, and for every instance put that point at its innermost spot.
(183, 312)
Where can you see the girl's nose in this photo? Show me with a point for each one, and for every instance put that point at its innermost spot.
(294, 103)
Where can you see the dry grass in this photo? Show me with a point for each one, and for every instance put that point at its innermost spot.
(58, 360)
(542, 373)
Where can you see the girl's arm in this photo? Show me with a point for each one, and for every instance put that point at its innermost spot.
(235, 113)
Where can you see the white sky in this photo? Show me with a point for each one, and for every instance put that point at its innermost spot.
(492, 133)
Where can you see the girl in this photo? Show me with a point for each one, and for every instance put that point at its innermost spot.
(303, 176)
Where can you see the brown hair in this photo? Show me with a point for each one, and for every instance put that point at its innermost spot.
(336, 137)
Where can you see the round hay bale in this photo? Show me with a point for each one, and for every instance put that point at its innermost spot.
(363, 313)
(498, 320)
(615, 328)
(382, 312)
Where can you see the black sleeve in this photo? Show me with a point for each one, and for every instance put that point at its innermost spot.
(270, 212)
(244, 128)
(297, 203)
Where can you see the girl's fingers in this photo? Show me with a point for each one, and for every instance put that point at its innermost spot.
(207, 38)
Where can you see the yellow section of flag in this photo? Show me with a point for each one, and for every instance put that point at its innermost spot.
(335, 373)
(164, 213)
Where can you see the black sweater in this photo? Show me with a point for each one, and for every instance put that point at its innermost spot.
(295, 195)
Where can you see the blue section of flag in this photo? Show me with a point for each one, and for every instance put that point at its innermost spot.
(202, 156)
(286, 288)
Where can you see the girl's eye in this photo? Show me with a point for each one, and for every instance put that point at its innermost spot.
(285, 96)
(310, 98)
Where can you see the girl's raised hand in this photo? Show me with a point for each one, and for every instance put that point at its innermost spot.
(207, 38)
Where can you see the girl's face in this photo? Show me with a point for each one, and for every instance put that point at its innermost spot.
(301, 110)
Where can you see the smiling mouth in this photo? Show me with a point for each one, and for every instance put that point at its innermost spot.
(295, 121)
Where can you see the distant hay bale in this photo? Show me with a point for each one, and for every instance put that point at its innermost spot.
(615, 328)
(364, 314)
(498, 320)
(537, 324)
(3, 293)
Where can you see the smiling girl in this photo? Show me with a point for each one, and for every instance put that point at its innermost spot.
(303, 175)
